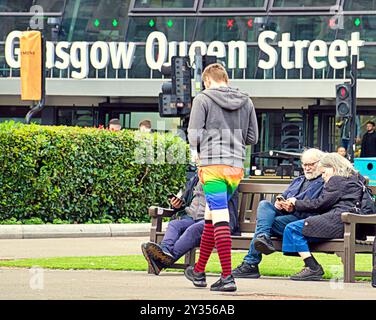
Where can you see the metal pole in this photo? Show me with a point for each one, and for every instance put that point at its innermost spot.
(354, 81)
(41, 103)
(198, 71)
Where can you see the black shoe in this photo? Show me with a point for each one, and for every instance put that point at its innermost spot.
(264, 244)
(156, 251)
(198, 278)
(224, 284)
(246, 270)
(154, 265)
(307, 274)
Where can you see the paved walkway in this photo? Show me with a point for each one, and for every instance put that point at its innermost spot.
(59, 284)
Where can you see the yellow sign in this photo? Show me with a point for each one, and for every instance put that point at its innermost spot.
(31, 65)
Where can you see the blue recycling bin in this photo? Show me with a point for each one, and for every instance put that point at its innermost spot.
(366, 167)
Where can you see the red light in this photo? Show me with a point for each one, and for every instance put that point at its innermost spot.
(250, 23)
(230, 23)
(332, 23)
(343, 93)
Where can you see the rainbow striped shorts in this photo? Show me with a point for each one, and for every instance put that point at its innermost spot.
(219, 183)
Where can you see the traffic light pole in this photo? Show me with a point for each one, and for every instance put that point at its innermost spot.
(198, 71)
(354, 81)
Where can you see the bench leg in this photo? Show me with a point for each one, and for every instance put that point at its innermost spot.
(349, 253)
(190, 257)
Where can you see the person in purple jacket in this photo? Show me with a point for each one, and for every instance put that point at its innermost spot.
(273, 218)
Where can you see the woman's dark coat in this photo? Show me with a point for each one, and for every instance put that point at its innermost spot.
(339, 195)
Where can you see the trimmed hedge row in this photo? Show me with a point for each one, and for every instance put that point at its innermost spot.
(86, 174)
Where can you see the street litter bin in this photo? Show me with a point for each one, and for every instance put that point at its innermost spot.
(367, 168)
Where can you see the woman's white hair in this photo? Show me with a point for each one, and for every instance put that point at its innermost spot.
(342, 167)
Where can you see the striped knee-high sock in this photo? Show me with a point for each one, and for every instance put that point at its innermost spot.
(222, 237)
(206, 246)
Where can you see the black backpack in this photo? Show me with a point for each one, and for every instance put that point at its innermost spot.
(367, 204)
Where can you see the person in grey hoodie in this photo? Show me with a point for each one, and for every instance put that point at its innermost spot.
(222, 122)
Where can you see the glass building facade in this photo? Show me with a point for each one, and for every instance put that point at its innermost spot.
(206, 21)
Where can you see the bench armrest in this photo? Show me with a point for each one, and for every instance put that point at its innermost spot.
(348, 217)
(157, 212)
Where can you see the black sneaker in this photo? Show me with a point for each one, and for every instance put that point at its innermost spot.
(154, 265)
(224, 284)
(307, 274)
(156, 251)
(198, 278)
(264, 244)
(246, 270)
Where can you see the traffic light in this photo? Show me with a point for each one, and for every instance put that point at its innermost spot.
(175, 100)
(343, 100)
(181, 79)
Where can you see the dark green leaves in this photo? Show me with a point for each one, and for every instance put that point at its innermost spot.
(85, 174)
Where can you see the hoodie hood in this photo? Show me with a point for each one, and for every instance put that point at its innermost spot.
(227, 98)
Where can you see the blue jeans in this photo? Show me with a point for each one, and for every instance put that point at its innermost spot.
(182, 236)
(270, 222)
(293, 239)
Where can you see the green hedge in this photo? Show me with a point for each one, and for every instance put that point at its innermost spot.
(56, 173)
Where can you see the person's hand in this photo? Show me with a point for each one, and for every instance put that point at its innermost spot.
(176, 203)
(278, 205)
(288, 206)
(291, 200)
(195, 158)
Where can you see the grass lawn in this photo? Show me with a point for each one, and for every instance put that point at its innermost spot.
(272, 265)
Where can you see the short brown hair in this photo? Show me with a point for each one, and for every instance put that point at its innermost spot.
(145, 123)
(115, 121)
(216, 72)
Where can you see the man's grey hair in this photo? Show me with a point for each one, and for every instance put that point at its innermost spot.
(342, 167)
(312, 153)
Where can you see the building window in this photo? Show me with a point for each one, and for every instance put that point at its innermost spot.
(51, 5)
(359, 5)
(15, 5)
(175, 28)
(76, 117)
(233, 4)
(157, 123)
(94, 20)
(163, 4)
(304, 3)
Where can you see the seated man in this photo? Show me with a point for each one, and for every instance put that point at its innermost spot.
(272, 219)
(184, 233)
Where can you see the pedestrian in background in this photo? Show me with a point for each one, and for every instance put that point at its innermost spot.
(145, 126)
(114, 125)
(369, 141)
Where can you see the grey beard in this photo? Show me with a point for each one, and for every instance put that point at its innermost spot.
(311, 176)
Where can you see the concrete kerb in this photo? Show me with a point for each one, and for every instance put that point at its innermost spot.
(75, 230)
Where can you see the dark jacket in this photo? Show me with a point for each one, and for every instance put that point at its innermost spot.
(222, 122)
(339, 195)
(368, 145)
(312, 192)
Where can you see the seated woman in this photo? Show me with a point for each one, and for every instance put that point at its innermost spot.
(341, 192)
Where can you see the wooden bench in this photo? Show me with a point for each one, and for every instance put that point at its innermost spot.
(250, 195)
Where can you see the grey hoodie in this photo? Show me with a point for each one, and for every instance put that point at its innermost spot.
(222, 122)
